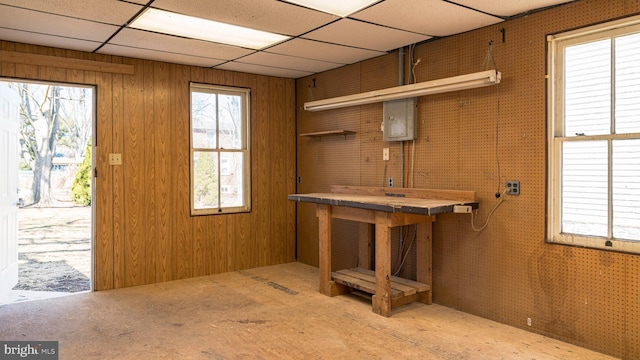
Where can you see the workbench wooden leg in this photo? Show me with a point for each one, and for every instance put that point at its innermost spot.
(424, 259)
(324, 247)
(327, 286)
(382, 299)
(365, 231)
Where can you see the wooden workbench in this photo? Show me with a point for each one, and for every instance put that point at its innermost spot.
(378, 210)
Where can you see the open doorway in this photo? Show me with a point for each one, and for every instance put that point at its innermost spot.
(50, 170)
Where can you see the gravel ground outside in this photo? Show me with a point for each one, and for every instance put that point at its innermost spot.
(54, 246)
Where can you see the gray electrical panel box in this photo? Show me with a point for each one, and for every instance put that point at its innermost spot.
(399, 122)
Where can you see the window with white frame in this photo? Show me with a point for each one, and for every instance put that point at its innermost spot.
(594, 136)
(220, 163)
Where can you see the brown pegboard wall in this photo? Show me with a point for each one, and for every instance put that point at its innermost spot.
(599, 293)
(344, 244)
(371, 145)
(506, 272)
(379, 73)
(632, 308)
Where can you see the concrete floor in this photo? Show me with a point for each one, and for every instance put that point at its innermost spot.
(15, 296)
(274, 312)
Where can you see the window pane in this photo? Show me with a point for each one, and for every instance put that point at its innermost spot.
(230, 113)
(232, 181)
(203, 120)
(628, 84)
(626, 189)
(584, 188)
(587, 87)
(205, 179)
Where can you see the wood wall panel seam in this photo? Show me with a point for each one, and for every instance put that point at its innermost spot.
(150, 201)
(133, 170)
(162, 163)
(119, 209)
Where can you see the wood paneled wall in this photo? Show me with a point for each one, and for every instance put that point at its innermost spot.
(143, 229)
(506, 273)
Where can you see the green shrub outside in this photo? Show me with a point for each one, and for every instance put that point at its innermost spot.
(81, 188)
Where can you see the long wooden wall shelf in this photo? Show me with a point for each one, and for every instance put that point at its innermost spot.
(320, 134)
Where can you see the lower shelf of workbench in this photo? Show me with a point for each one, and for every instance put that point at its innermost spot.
(403, 291)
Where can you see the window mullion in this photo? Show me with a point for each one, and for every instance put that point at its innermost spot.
(612, 124)
(218, 152)
(612, 71)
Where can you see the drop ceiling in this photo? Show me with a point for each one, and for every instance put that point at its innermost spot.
(318, 41)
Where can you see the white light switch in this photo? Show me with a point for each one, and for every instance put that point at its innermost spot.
(385, 154)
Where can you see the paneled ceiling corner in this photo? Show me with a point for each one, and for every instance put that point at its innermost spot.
(318, 41)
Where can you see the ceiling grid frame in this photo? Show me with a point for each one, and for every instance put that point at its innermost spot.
(318, 41)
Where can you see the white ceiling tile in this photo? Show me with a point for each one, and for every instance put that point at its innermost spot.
(106, 11)
(267, 15)
(289, 62)
(312, 49)
(263, 70)
(43, 23)
(508, 7)
(340, 8)
(154, 41)
(325, 41)
(364, 35)
(159, 56)
(430, 17)
(47, 40)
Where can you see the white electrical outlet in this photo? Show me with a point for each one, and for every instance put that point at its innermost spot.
(528, 321)
(513, 187)
(462, 209)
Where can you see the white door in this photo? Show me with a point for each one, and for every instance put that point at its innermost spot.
(9, 153)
